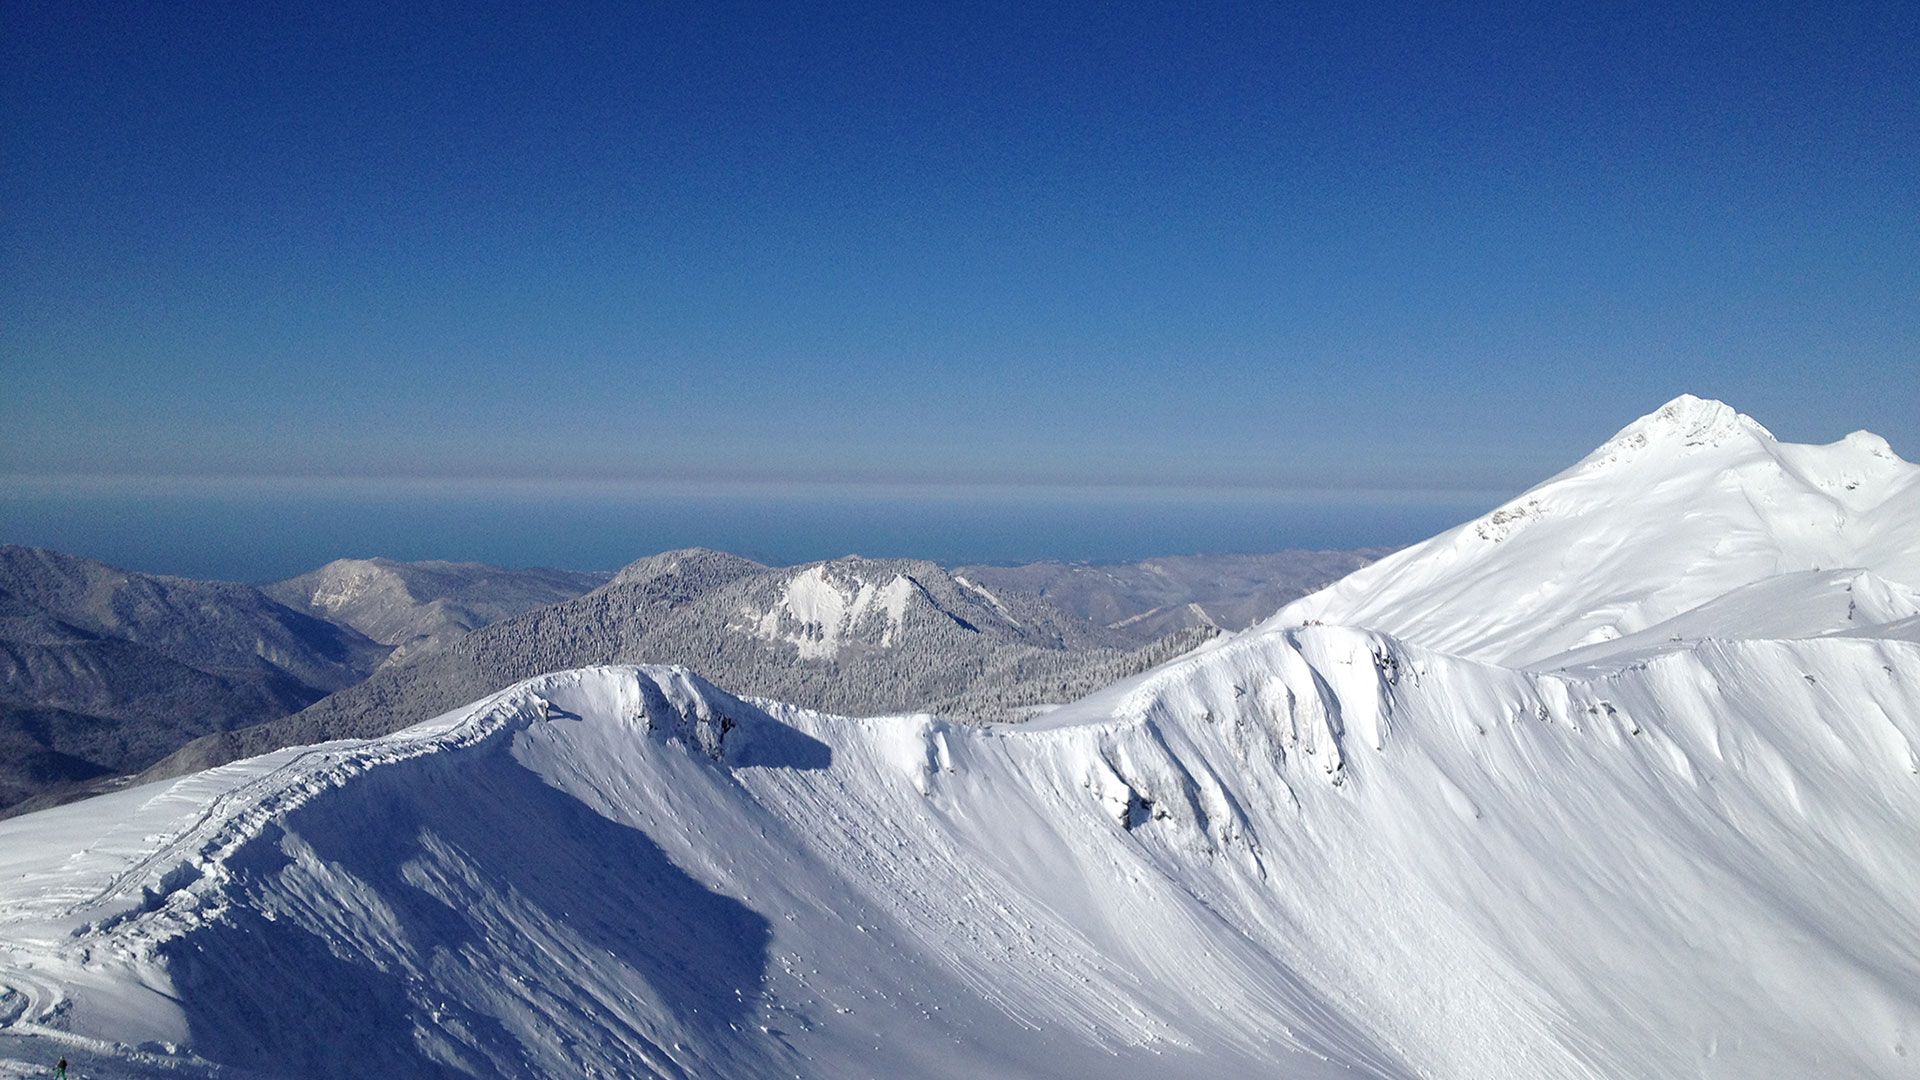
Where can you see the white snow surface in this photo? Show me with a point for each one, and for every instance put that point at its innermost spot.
(1680, 508)
(1303, 850)
(820, 609)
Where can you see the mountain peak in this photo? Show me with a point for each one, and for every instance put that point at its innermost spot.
(1688, 421)
(697, 561)
(1686, 504)
(1869, 443)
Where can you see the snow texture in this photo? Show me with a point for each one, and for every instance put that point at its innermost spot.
(1683, 506)
(1447, 844)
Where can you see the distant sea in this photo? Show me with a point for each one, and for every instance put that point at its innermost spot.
(266, 531)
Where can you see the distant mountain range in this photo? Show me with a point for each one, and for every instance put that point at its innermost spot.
(102, 670)
(855, 636)
(108, 671)
(1618, 779)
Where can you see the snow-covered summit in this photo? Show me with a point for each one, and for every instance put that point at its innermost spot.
(1686, 421)
(1680, 845)
(695, 563)
(1685, 505)
(851, 605)
(417, 605)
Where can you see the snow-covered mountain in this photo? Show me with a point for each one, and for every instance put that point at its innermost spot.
(853, 635)
(415, 605)
(1326, 846)
(103, 670)
(1683, 506)
(80, 707)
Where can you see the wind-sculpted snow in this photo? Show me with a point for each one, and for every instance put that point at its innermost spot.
(1622, 781)
(1316, 851)
(1684, 506)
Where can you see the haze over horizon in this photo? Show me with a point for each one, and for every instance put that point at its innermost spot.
(276, 259)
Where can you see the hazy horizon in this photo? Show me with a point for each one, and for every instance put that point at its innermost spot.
(263, 536)
(263, 528)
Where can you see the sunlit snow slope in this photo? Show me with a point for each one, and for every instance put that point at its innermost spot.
(1306, 850)
(1682, 507)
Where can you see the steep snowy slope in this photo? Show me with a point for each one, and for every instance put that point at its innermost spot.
(1812, 603)
(1685, 505)
(1667, 833)
(1317, 852)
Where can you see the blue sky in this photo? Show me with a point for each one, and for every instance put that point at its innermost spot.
(1406, 248)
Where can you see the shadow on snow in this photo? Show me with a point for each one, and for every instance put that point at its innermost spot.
(512, 921)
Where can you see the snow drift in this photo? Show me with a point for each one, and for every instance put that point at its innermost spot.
(1305, 850)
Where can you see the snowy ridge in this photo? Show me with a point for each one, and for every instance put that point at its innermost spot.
(1685, 505)
(120, 909)
(1686, 421)
(1299, 848)
(1673, 839)
(986, 594)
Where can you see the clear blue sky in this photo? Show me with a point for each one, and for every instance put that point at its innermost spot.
(1403, 248)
